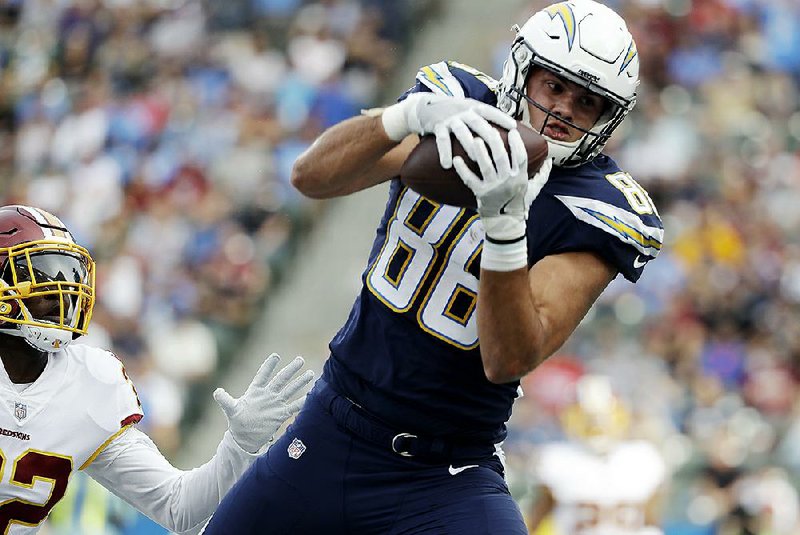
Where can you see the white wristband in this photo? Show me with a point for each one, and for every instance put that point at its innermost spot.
(394, 121)
(504, 256)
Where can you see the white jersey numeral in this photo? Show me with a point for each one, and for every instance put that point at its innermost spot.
(415, 239)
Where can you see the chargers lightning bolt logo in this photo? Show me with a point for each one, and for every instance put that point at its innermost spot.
(564, 11)
(626, 230)
(437, 80)
(628, 56)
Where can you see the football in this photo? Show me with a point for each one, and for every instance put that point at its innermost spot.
(422, 173)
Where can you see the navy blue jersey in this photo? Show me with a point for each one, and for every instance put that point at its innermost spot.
(409, 351)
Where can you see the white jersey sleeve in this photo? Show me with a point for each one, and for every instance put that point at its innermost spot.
(601, 493)
(131, 467)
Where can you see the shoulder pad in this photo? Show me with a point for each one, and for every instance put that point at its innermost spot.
(111, 397)
(554, 458)
(101, 364)
(474, 74)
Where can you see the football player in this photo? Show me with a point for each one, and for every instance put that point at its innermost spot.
(71, 407)
(402, 433)
(600, 481)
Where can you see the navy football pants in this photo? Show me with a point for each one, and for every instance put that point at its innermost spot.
(342, 484)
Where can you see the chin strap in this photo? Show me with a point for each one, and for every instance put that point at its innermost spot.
(47, 339)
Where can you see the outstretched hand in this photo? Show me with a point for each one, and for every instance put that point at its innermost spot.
(270, 400)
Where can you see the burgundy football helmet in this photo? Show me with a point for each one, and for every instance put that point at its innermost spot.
(46, 279)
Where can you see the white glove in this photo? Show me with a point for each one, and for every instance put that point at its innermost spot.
(268, 402)
(504, 199)
(441, 115)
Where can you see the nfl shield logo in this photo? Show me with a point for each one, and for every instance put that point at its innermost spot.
(20, 411)
(296, 448)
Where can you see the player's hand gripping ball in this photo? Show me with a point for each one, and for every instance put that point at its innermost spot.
(423, 173)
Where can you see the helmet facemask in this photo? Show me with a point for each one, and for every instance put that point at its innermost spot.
(46, 293)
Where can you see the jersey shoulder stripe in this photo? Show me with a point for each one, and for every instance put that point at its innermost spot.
(627, 226)
(600, 194)
(471, 76)
(458, 80)
(438, 79)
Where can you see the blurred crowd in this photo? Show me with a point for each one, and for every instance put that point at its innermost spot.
(163, 133)
(706, 347)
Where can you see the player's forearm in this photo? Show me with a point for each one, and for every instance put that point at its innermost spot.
(179, 500)
(347, 157)
(196, 493)
(510, 334)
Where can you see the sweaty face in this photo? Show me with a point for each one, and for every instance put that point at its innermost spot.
(567, 100)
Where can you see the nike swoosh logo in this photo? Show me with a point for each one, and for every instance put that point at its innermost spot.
(637, 263)
(455, 471)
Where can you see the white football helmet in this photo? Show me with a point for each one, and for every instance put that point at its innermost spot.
(586, 43)
(598, 418)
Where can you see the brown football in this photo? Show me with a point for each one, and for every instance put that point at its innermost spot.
(422, 173)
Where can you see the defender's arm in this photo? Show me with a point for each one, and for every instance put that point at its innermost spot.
(132, 468)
